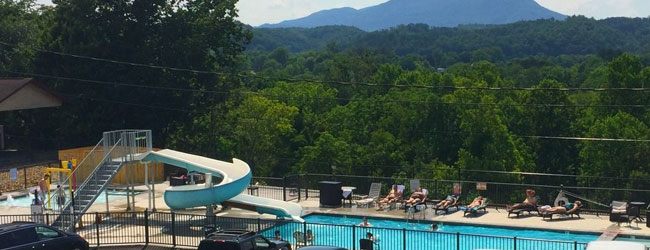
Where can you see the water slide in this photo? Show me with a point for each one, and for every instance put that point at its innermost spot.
(235, 179)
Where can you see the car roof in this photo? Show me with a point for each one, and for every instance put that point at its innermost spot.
(231, 235)
(321, 248)
(16, 225)
(615, 245)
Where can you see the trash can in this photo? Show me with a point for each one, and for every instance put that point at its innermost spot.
(647, 218)
(330, 193)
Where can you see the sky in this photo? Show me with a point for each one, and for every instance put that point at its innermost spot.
(257, 12)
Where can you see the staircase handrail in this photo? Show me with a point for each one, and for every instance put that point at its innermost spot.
(75, 170)
(82, 161)
(106, 156)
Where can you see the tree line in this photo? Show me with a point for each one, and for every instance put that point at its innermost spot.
(368, 108)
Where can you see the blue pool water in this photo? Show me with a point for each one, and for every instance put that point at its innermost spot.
(390, 235)
(26, 201)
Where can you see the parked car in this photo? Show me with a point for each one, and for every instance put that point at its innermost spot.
(28, 235)
(615, 245)
(241, 240)
(322, 248)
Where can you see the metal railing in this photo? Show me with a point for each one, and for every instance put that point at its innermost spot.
(499, 193)
(274, 188)
(187, 230)
(80, 173)
(116, 148)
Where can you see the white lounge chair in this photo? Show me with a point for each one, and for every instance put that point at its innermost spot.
(373, 195)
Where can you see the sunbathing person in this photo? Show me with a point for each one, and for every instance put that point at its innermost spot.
(416, 197)
(564, 209)
(529, 202)
(451, 199)
(393, 196)
(476, 203)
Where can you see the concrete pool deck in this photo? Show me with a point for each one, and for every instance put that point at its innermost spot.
(499, 218)
(494, 217)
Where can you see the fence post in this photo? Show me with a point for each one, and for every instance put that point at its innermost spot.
(436, 189)
(47, 219)
(404, 238)
(299, 194)
(515, 242)
(173, 229)
(146, 227)
(354, 237)
(284, 188)
(72, 221)
(259, 224)
(304, 235)
(457, 241)
(97, 227)
(306, 188)
(25, 176)
(575, 245)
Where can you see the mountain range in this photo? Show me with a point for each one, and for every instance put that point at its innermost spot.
(437, 13)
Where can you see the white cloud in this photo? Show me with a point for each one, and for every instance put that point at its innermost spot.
(257, 12)
(599, 8)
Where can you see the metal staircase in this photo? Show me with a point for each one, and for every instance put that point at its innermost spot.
(96, 172)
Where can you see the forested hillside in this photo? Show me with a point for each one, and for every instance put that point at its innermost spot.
(543, 96)
(446, 46)
(438, 13)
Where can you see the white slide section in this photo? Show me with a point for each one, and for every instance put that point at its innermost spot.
(235, 179)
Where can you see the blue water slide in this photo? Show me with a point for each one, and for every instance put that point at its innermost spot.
(235, 178)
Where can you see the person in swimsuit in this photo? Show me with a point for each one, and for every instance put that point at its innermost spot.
(365, 223)
(42, 185)
(390, 198)
(564, 209)
(476, 203)
(529, 202)
(416, 197)
(451, 199)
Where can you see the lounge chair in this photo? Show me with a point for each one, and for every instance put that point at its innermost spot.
(456, 204)
(550, 215)
(620, 212)
(520, 211)
(415, 184)
(474, 211)
(617, 209)
(373, 195)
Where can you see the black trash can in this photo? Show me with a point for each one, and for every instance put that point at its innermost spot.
(647, 218)
(330, 193)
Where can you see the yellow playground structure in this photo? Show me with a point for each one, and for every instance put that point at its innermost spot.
(67, 172)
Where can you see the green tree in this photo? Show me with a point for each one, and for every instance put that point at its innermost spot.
(261, 132)
(199, 35)
(615, 159)
(552, 156)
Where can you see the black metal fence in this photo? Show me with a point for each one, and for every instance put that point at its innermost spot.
(595, 198)
(187, 230)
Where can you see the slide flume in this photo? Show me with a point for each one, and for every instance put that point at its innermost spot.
(235, 178)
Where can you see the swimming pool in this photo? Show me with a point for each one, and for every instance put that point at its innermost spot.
(26, 201)
(391, 235)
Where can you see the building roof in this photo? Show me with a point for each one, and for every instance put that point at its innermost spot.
(25, 93)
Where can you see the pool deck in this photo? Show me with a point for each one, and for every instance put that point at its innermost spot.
(493, 217)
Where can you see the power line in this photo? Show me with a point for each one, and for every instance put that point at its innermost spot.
(125, 103)
(250, 93)
(569, 138)
(349, 83)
